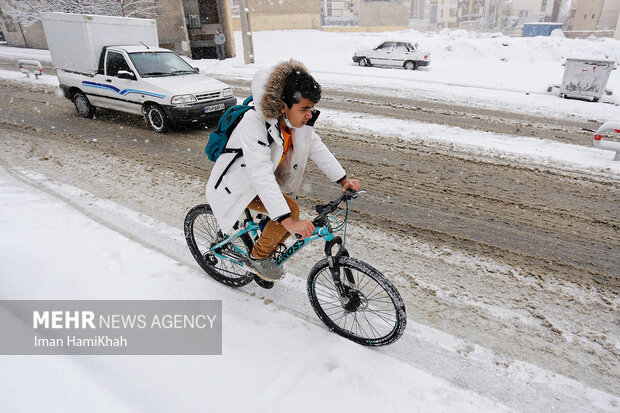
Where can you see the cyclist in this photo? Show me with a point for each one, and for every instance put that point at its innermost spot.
(266, 157)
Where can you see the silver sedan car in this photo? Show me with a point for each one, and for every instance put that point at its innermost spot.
(394, 54)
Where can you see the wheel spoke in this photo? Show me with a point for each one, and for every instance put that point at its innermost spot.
(204, 234)
(371, 312)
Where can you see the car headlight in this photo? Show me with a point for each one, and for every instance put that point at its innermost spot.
(183, 99)
(227, 92)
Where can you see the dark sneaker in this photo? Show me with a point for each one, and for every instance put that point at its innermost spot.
(262, 283)
(267, 269)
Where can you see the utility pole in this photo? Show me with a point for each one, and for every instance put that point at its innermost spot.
(556, 10)
(246, 32)
(493, 15)
(500, 15)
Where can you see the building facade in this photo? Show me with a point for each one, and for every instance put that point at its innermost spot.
(531, 11)
(185, 26)
(594, 17)
(447, 12)
(201, 19)
(280, 15)
(357, 15)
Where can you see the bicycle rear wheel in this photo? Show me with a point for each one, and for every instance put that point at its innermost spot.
(374, 312)
(202, 233)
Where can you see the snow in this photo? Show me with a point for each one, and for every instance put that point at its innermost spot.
(272, 359)
(489, 70)
(278, 356)
(484, 69)
(535, 150)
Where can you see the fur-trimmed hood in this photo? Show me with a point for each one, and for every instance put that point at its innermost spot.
(268, 85)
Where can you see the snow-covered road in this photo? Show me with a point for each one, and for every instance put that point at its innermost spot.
(500, 317)
(274, 348)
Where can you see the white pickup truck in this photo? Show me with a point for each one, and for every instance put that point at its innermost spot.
(115, 63)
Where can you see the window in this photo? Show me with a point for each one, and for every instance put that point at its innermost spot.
(593, 15)
(452, 12)
(115, 62)
(401, 47)
(208, 11)
(193, 21)
(441, 14)
(523, 13)
(543, 5)
(386, 46)
(156, 64)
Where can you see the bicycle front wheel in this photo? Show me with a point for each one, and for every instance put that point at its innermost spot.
(202, 233)
(372, 313)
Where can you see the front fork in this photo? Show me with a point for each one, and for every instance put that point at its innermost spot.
(334, 268)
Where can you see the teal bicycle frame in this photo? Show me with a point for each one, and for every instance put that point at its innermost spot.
(323, 229)
(253, 228)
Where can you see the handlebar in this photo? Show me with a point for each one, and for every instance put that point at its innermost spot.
(325, 210)
(330, 207)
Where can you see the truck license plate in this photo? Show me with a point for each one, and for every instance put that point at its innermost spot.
(214, 108)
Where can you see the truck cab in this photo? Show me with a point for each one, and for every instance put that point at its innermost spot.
(148, 81)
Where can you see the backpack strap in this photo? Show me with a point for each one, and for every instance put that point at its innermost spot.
(269, 138)
(238, 154)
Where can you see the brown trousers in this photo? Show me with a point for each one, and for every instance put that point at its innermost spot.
(274, 232)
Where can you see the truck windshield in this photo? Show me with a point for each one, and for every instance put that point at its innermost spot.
(154, 64)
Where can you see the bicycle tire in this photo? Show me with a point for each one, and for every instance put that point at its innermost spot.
(379, 301)
(202, 232)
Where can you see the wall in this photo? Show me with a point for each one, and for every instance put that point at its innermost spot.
(532, 7)
(447, 11)
(384, 13)
(591, 9)
(32, 37)
(306, 14)
(276, 22)
(609, 15)
(171, 28)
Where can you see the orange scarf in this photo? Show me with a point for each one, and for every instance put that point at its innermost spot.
(287, 143)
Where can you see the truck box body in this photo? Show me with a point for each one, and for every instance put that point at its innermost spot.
(75, 41)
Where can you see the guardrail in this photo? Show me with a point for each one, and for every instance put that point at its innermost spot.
(607, 127)
(29, 67)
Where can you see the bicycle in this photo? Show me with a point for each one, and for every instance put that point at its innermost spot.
(351, 298)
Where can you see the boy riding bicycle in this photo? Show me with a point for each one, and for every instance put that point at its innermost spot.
(276, 141)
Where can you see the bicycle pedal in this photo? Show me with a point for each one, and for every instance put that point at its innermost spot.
(263, 283)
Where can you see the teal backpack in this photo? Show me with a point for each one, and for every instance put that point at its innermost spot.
(225, 127)
(220, 136)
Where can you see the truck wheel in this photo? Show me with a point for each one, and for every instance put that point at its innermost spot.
(83, 106)
(364, 62)
(156, 118)
(409, 65)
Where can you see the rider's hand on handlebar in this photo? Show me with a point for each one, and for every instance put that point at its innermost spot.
(305, 228)
(348, 183)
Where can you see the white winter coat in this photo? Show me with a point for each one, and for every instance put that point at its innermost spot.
(257, 171)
